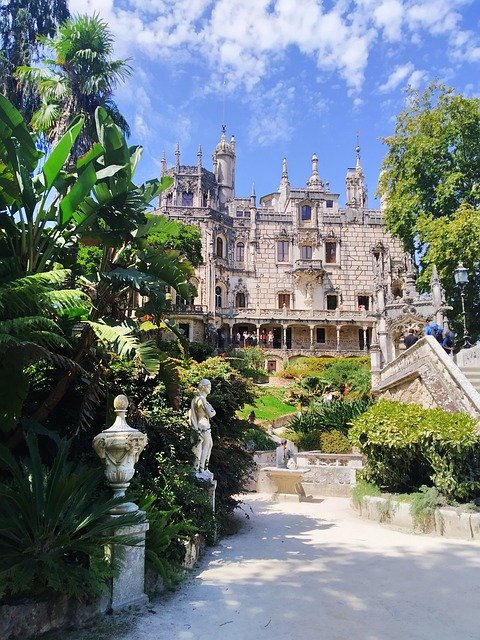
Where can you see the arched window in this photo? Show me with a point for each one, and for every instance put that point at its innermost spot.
(187, 199)
(240, 300)
(218, 297)
(240, 252)
(306, 212)
(220, 247)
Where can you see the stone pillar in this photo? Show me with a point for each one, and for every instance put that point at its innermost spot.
(258, 335)
(312, 336)
(119, 448)
(284, 337)
(338, 337)
(365, 334)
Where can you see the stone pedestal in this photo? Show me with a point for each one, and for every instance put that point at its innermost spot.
(128, 588)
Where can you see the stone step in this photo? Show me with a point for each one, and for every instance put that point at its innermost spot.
(473, 376)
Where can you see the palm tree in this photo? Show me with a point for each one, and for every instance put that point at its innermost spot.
(81, 77)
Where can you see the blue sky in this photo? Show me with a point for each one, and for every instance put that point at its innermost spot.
(288, 77)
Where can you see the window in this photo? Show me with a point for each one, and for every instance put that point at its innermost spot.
(363, 303)
(320, 331)
(306, 252)
(329, 204)
(185, 327)
(204, 199)
(330, 252)
(240, 252)
(306, 212)
(220, 247)
(187, 199)
(284, 300)
(218, 297)
(240, 300)
(169, 198)
(283, 247)
(332, 302)
(242, 214)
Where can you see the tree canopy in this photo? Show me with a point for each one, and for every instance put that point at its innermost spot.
(21, 21)
(81, 76)
(430, 184)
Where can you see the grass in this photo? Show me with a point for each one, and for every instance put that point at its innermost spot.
(268, 406)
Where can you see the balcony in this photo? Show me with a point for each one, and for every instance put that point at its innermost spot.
(313, 267)
(191, 309)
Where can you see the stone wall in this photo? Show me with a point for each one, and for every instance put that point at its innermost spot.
(424, 374)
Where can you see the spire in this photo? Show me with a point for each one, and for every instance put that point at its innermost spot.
(164, 164)
(357, 149)
(232, 143)
(199, 158)
(314, 180)
(253, 197)
(285, 179)
(177, 157)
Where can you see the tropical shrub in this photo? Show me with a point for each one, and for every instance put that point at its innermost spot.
(408, 446)
(334, 441)
(325, 416)
(53, 526)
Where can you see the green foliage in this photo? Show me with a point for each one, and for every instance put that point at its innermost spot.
(79, 78)
(303, 367)
(334, 441)
(408, 446)
(326, 416)
(363, 489)
(21, 23)
(251, 358)
(53, 526)
(172, 234)
(430, 180)
(269, 405)
(164, 550)
(423, 506)
(258, 440)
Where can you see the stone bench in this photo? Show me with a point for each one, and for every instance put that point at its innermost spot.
(285, 485)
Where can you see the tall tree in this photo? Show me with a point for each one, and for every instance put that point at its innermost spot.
(81, 77)
(430, 183)
(21, 21)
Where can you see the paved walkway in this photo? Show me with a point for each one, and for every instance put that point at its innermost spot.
(315, 571)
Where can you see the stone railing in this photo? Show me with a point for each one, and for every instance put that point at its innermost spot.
(424, 374)
(469, 358)
(321, 473)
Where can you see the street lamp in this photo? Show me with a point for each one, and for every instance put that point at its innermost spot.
(461, 280)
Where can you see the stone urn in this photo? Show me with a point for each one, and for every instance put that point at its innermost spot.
(119, 448)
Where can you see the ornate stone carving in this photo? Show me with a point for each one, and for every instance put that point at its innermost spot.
(119, 448)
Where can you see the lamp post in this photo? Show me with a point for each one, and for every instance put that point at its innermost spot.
(461, 280)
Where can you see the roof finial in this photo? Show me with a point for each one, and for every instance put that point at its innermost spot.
(314, 180)
(199, 155)
(358, 165)
(164, 164)
(284, 180)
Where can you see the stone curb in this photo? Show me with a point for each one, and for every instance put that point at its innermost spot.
(446, 522)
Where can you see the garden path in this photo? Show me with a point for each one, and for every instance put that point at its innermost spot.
(314, 570)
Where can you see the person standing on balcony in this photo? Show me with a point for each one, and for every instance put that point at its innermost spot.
(270, 339)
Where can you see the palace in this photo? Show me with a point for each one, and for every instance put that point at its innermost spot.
(293, 264)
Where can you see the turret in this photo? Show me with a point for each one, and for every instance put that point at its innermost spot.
(224, 168)
(284, 188)
(315, 182)
(355, 185)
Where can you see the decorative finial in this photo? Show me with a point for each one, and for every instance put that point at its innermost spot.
(164, 164)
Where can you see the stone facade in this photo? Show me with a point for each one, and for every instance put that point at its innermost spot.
(294, 262)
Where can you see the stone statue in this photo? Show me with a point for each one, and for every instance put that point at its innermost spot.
(200, 413)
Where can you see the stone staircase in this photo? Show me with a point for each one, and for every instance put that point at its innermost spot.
(468, 361)
(473, 376)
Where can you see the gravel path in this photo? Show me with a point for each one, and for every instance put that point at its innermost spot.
(311, 571)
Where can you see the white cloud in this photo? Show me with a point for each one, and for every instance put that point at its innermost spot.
(397, 77)
(244, 40)
(271, 119)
